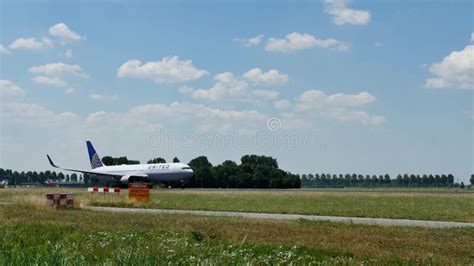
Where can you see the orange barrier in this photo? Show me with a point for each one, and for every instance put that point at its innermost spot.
(139, 192)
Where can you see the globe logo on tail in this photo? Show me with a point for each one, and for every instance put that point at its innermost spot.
(96, 162)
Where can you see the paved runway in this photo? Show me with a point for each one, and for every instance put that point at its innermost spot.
(352, 220)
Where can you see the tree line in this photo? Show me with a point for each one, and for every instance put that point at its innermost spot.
(108, 160)
(355, 180)
(18, 178)
(253, 172)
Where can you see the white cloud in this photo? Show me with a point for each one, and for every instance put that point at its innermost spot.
(26, 44)
(282, 104)
(68, 53)
(34, 114)
(48, 42)
(3, 50)
(54, 82)
(359, 99)
(203, 118)
(299, 41)
(339, 106)
(31, 43)
(143, 118)
(227, 86)
(185, 90)
(167, 70)
(190, 111)
(69, 90)
(59, 70)
(63, 32)
(271, 77)
(341, 14)
(10, 89)
(55, 75)
(231, 87)
(266, 94)
(361, 117)
(102, 97)
(317, 98)
(455, 71)
(250, 41)
(292, 121)
(50, 81)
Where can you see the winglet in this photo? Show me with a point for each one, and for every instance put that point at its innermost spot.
(51, 161)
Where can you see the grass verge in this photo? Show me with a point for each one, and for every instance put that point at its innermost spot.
(34, 234)
(438, 206)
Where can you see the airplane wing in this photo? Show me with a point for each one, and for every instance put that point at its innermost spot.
(91, 172)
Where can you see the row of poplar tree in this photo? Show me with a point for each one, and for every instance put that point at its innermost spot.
(355, 180)
(18, 178)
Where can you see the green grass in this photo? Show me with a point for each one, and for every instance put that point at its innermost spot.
(411, 204)
(34, 234)
(32, 243)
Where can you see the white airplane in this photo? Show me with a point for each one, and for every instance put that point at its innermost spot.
(160, 172)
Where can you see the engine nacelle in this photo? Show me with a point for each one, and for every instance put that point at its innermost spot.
(125, 179)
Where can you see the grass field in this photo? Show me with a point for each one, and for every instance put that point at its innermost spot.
(35, 234)
(435, 205)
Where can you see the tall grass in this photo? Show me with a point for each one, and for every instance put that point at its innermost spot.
(26, 244)
(32, 233)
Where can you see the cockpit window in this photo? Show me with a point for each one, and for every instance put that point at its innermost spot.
(186, 168)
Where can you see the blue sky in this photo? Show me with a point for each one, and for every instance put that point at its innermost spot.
(383, 87)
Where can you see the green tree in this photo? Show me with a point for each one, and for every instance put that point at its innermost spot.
(121, 160)
(175, 160)
(226, 174)
(156, 160)
(61, 176)
(259, 160)
(202, 172)
(199, 162)
(450, 180)
(107, 160)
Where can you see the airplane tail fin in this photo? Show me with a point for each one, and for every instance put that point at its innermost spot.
(93, 156)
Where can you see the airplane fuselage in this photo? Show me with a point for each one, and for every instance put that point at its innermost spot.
(161, 172)
(125, 173)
